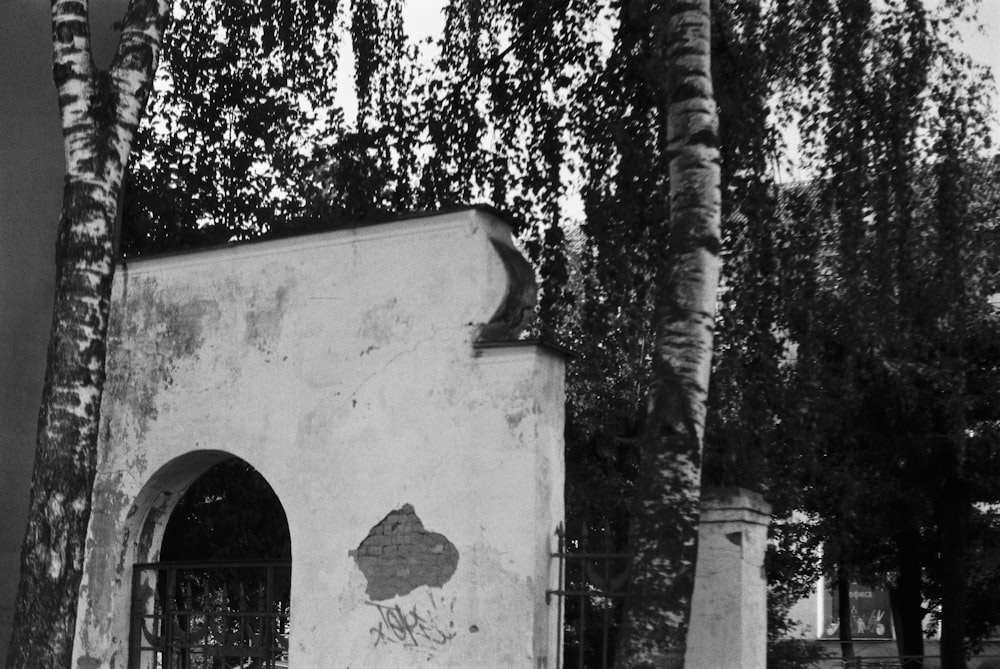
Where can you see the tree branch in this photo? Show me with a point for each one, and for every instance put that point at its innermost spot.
(132, 73)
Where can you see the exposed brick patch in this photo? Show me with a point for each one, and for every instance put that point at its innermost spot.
(399, 555)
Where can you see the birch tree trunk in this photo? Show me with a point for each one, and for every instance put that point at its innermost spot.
(664, 532)
(100, 113)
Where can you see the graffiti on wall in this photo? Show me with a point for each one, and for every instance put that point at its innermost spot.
(426, 627)
(397, 557)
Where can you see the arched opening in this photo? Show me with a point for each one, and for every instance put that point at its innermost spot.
(229, 513)
(219, 597)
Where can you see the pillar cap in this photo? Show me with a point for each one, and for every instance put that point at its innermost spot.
(731, 503)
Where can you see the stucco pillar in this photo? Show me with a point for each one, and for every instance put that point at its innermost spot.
(729, 608)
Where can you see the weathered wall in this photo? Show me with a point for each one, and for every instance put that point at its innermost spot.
(31, 169)
(342, 367)
(729, 608)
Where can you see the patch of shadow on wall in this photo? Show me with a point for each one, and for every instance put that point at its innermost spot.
(399, 555)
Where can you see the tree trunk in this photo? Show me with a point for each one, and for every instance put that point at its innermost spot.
(100, 113)
(664, 529)
(954, 501)
(844, 614)
(954, 572)
(907, 598)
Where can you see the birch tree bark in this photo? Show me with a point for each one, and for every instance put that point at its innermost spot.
(99, 113)
(664, 532)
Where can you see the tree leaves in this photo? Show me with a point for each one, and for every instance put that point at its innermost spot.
(840, 297)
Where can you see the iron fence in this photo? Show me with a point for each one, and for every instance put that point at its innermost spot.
(211, 615)
(909, 662)
(593, 589)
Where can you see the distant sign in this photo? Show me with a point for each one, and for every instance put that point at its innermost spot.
(871, 616)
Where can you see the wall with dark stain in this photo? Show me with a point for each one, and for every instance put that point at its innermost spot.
(421, 475)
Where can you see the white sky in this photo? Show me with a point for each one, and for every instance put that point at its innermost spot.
(424, 18)
(421, 19)
(986, 47)
(982, 45)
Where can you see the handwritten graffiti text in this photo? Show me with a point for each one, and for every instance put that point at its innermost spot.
(416, 628)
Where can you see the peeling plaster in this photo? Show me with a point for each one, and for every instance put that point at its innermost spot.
(264, 323)
(105, 565)
(105, 538)
(383, 324)
(399, 555)
(179, 328)
(158, 514)
(514, 419)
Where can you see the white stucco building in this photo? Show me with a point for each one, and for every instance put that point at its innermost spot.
(371, 376)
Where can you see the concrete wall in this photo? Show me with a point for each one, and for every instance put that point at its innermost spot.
(31, 170)
(343, 367)
(728, 628)
(808, 615)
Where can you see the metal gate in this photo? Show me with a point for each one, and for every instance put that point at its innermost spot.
(210, 615)
(594, 588)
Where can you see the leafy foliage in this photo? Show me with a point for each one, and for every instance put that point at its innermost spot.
(855, 366)
(225, 145)
(892, 317)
